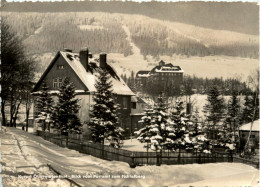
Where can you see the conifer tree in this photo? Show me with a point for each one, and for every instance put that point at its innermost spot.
(157, 128)
(214, 110)
(247, 111)
(65, 117)
(181, 127)
(249, 106)
(161, 128)
(200, 143)
(104, 121)
(45, 107)
(144, 134)
(228, 132)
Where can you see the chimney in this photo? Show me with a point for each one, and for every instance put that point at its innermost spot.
(83, 56)
(103, 60)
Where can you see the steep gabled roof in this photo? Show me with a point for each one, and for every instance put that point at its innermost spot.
(167, 68)
(88, 78)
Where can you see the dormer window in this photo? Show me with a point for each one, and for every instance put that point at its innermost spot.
(60, 66)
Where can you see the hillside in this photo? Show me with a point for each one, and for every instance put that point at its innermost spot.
(136, 42)
(48, 32)
(236, 16)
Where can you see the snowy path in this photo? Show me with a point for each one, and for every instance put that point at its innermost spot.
(18, 167)
(39, 152)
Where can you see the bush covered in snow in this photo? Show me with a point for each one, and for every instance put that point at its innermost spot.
(171, 132)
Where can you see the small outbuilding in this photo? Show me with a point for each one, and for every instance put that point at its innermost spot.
(245, 129)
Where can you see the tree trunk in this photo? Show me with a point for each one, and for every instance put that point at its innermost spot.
(252, 122)
(28, 108)
(11, 114)
(16, 113)
(3, 113)
(27, 118)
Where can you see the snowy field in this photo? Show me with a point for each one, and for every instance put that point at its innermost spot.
(134, 145)
(20, 149)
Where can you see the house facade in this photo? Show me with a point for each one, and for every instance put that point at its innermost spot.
(165, 77)
(82, 70)
(137, 112)
(244, 131)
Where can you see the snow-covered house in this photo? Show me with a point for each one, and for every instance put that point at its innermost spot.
(137, 112)
(245, 129)
(82, 70)
(164, 76)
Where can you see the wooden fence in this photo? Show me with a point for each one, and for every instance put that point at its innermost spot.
(134, 158)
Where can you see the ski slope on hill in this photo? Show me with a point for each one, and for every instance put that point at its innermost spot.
(39, 152)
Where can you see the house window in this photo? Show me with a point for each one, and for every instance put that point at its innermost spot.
(252, 136)
(57, 82)
(124, 103)
(60, 66)
(134, 105)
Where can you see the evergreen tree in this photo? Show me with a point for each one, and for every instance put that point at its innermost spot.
(65, 117)
(104, 121)
(145, 133)
(200, 143)
(157, 128)
(181, 127)
(248, 110)
(162, 129)
(214, 110)
(228, 133)
(45, 107)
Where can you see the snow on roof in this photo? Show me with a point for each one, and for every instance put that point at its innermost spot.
(246, 127)
(143, 74)
(134, 98)
(175, 69)
(89, 78)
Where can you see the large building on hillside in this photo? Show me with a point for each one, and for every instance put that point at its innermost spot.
(165, 77)
(82, 70)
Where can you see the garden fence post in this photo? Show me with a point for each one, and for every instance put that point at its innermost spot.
(67, 139)
(199, 158)
(132, 164)
(179, 157)
(231, 156)
(158, 160)
(61, 141)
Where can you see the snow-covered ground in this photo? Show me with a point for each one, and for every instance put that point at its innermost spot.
(24, 149)
(134, 145)
(19, 168)
(30, 129)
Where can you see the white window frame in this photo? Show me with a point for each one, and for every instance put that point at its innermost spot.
(57, 82)
(60, 66)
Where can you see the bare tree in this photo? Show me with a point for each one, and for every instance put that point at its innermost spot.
(17, 72)
(253, 81)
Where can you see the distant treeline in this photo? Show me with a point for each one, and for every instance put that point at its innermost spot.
(190, 85)
(194, 84)
(235, 16)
